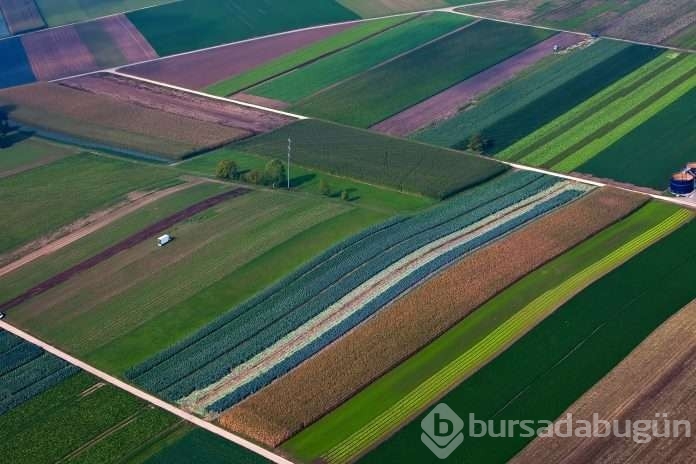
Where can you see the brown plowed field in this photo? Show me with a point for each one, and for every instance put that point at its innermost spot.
(127, 39)
(58, 52)
(203, 68)
(129, 242)
(109, 121)
(657, 377)
(180, 103)
(21, 15)
(420, 316)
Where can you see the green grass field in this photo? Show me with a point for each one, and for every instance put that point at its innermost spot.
(24, 154)
(376, 159)
(378, 94)
(307, 80)
(654, 150)
(137, 285)
(201, 447)
(38, 202)
(195, 24)
(285, 63)
(370, 8)
(58, 12)
(601, 121)
(308, 180)
(545, 92)
(385, 404)
(548, 369)
(81, 423)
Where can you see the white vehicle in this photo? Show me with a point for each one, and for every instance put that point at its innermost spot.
(2, 316)
(163, 240)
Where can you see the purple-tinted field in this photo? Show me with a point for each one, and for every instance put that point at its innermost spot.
(58, 52)
(219, 63)
(127, 39)
(448, 103)
(21, 15)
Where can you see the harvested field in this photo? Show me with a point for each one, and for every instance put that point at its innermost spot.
(119, 124)
(313, 77)
(460, 289)
(21, 15)
(548, 369)
(58, 53)
(374, 158)
(16, 69)
(651, 21)
(276, 67)
(656, 378)
(364, 100)
(85, 47)
(195, 24)
(261, 101)
(136, 92)
(448, 103)
(224, 62)
(130, 242)
(39, 202)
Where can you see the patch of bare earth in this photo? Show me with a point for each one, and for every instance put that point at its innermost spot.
(83, 227)
(180, 103)
(657, 377)
(418, 317)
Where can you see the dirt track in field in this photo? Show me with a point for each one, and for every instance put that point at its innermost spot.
(179, 103)
(91, 224)
(145, 234)
(657, 377)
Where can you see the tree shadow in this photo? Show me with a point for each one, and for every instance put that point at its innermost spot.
(10, 133)
(14, 138)
(301, 180)
(351, 194)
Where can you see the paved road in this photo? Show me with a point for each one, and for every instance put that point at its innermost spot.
(147, 397)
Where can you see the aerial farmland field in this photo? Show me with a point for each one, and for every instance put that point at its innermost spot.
(342, 231)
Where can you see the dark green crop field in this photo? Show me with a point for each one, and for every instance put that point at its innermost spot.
(373, 158)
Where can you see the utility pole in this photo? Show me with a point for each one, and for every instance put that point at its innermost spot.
(289, 153)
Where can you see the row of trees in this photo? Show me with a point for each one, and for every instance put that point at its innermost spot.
(273, 174)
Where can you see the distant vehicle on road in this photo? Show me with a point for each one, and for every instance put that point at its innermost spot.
(2, 316)
(163, 240)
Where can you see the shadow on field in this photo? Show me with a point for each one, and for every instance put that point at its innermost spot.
(9, 133)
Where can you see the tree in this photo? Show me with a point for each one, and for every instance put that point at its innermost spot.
(478, 143)
(274, 173)
(227, 169)
(253, 177)
(345, 196)
(324, 188)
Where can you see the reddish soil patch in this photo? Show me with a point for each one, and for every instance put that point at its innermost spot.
(21, 15)
(145, 234)
(418, 317)
(201, 69)
(448, 103)
(261, 101)
(59, 52)
(180, 103)
(130, 42)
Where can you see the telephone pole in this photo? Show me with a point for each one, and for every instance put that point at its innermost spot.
(289, 153)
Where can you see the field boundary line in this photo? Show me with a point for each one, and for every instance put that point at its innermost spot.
(146, 396)
(84, 21)
(198, 93)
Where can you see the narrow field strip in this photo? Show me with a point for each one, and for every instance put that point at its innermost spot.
(125, 244)
(512, 329)
(556, 128)
(367, 298)
(665, 87)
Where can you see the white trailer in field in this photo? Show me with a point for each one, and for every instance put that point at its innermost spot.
(163, 240)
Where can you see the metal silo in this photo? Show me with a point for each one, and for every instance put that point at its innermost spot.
(682, 184)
